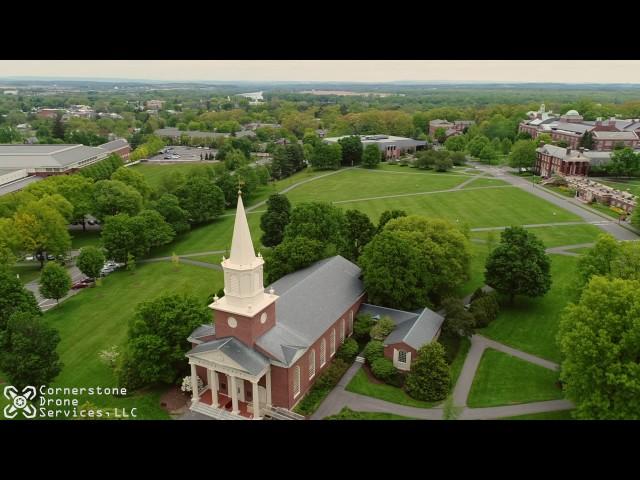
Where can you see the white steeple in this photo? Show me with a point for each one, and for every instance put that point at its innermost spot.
(243, 277)
(242, 252)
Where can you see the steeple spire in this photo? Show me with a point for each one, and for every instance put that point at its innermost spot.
(242, 252)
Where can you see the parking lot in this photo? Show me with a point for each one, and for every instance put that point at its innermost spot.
(186, 154)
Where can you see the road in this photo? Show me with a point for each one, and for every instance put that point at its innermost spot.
(47, 303)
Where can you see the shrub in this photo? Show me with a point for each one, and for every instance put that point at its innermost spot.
(321, 388)
(382, 328)
(383, 369)
(348, 350)
(362, 326)
(429, 377)
(485, 309)
(373, 350)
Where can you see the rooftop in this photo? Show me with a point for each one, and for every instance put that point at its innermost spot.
(44, 156)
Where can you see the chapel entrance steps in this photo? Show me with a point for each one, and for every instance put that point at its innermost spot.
(279, 413)
(217, 413)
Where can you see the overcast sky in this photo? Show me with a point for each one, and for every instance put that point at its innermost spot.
(560, 71)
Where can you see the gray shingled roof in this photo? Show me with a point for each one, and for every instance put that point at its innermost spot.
(418, 332)
(573, 127)
(309, 302)
(204, 330)
(114, 144)
(251, 361)
(18, 184)
(174, 132)
(630, 135)
(42, 156)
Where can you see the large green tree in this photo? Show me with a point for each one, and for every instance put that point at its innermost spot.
(523, 154)
(371, 156)
(319, 221)
(14, 297)
(112, 197)
(90, 261)
(599, 338)
(168, 206)
(290, 256)
(351, 150)
(518, 265)
(429, 377)
(28, 350)
(55, 281)
(202, 199)
(326, 157)
(157, 340)
(134, 179)
(357, 232)
(624, 161)
(274, 221)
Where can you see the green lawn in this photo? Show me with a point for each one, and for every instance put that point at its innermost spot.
(632, 185)
(505, 380)
(386, 167)
(154, 172)
(531, 325)
(477, 208)
(347, 414)
(97, 318)
(581, 251)
(485, 182)
(479, 254)
(81, 239)
(555, 236)
(361, 384)
(561, 415)
(605, 209)
(27, 272)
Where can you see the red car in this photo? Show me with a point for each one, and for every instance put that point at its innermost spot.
(83, 283)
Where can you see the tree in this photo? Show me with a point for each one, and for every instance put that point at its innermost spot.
(382, 328)
(152, 231)
(319, 221)
(295, 156)
(443, 164)
(488, 154)
(351, 150)
(202, 199)
(58, 127)
(112, 197)
(598, 260)
(78, 190)
(371, 156)
(235, 159)
(157, 340)
(281, 166)
(586, 141)
(168, 206)
(326, 156)
(55, 281)
(458, 158)
(599, 338)
(14, 298)
(389, 215)
(291, 255)
(274, 221)
(134, 179)
(362, 327)
(523, 154)
(357, 232)
(455, 143)
(90, 261)
(440, 135)
(118, 237)
(42, 229)
(429, 378)
(624, 162)
(458, 322)
(477, 144)
(518, 265)
(28, 350)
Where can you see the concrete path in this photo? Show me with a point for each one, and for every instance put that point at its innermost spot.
(569, 204)
(495, 413)
(564, 250)
(539, 225)
(467, 182)
(485, 342)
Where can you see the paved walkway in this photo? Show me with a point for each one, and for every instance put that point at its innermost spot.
(564, 250)
(340, 398)
(566, 203)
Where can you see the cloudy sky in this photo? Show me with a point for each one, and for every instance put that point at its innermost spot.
(561, 71)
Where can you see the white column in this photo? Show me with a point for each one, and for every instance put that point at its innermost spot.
(234, 396)
(256, 401)
(213, 385)
(269, 388)
(194, 384)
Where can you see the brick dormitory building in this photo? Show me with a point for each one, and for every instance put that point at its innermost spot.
(266, 347)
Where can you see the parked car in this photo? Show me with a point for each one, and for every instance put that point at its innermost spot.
(79, 285)
(91, 222)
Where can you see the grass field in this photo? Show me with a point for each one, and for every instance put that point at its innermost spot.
(81, 239)
(485, 182)
(97, 318)
(505, 380)
(532, 324)
(561, 415)
(154, 173)
(632, 185)
(555, 236)
(347, 414)
(361, 384)
(27, 272)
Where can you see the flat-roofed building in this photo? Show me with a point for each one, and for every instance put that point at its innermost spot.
(393, 147)
(451, 128)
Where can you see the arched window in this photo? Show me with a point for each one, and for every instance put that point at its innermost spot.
(323, 352)
(312, 363)
(333, 342)
(296, 381)
(350, 322)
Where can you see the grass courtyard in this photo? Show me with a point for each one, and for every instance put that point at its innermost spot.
(505, 380)
(97, 318)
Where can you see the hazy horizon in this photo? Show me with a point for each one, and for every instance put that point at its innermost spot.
(330, 71)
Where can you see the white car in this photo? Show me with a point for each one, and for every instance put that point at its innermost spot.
(175, 156)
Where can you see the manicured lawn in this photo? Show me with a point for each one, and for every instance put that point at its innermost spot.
(364, 183)
(554, 236)
(361, 384)
(456, 366)
(27, 272)
(531, 325)
(485, 182)
(561, 415)
(347, 414)
(479, 254)
(505, 380)
(406, 169)
(632, 185)
(98, 318)
(605, 209)
(501, 206)
(581, 251)
(81, 239)
(154, 173)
